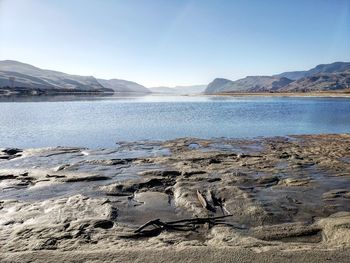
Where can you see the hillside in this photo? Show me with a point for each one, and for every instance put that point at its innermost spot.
(248, 84)
(335, 67)
(323, 77)
(21, 78)
(320, 82)
(119, 85)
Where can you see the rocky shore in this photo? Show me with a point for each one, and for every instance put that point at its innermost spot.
(267, 199)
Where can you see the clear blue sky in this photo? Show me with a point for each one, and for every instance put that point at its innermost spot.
(175, 42)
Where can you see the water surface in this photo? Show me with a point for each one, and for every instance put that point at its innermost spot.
(101, 122)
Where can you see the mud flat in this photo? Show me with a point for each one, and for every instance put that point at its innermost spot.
(280, 199)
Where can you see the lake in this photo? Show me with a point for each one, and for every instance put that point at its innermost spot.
(101, 122)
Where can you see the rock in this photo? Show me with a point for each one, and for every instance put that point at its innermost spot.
(336, 193)
(49, 244)
(295, 181)
(61, 167)
(270, 180)
(296, 232)
(12, 151)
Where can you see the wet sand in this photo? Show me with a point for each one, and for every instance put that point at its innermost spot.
(288, 199)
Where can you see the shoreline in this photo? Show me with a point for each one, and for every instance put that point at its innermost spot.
(55, 201)
(295, 94)
(233, 94)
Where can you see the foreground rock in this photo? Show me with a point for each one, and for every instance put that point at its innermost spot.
(285, 195)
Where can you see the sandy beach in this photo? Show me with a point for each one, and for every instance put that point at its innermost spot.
(220, 200)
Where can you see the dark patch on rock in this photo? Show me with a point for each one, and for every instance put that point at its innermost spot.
(87, 178)
(154, 184)
(7, 176)
(189, 173)
(151, 183)
(104, 223)
(55, 176)
(212, 180)
(123, 161)
(49, 244)
(113, 213)
(284, 155)
(162, 173)
(112, 161)
(27, 178)
(214, 161)
(268, 180)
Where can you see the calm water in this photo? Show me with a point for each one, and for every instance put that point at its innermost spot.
(102, 122)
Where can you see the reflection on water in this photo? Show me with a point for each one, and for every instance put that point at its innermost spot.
(69, 97)
(102, 121)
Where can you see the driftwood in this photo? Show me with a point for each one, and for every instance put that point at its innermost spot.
(210, 201)
(190, 224)
(202, 199)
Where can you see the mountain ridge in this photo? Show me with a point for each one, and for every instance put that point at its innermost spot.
(337, 66)
(324, 77)
(22, 78)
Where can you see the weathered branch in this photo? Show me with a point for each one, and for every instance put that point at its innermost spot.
(189, 224)
(151, 222)
(198, 219)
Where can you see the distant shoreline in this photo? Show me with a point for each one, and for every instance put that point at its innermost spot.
(286, 94)
(34, 93)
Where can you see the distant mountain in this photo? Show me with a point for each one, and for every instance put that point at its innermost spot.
(182, 90)
(247, 84)
(17, 77)
(335, 67)
(320, 82)
(21, 76)
(119, 85)
(323, 77)
(163, 90)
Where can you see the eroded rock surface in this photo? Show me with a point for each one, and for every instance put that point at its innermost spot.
(285, 192)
